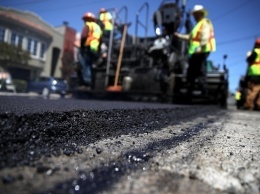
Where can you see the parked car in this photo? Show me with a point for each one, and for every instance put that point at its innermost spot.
(6, 83)
(48, 85)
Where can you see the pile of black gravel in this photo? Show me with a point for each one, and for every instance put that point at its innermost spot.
(25, 139)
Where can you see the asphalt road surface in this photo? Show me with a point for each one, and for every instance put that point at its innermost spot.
(66, 146)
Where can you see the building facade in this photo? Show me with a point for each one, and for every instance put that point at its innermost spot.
(68, 53)
(46, 44)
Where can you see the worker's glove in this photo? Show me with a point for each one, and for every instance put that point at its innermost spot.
(177, 34)
(198, 50)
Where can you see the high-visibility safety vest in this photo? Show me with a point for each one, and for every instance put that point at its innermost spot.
(238, 95)
(106, 17)
(94, 35)
(254, 68)
(195, 38)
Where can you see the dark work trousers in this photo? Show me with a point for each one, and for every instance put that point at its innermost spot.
(197, 70)
(87, 59)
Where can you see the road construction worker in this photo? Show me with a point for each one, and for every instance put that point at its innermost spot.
(89, 47)
(106, 18)
(238, 98)
(253, 78)
(201, 43)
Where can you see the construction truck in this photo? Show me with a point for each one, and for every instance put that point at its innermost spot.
(153, 68)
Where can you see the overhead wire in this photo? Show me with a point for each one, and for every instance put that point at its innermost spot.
(237, 61)
(251, 26)
(95, 2)
(242, 5)
(26, 3)
(234, 9)
(236, 40)
(100, 1)
(36, 2)
(59, 8)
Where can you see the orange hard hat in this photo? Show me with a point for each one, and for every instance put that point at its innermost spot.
(89, 16)
(257, 41)
(102, 10)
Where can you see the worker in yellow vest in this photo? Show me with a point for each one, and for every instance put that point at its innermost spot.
(89, 47)
(106, 18)
(238, 98)
(201, 43)
(253, 78)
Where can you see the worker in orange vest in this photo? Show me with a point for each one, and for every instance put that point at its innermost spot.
(89, 47)
(201, 43)
(253, 78)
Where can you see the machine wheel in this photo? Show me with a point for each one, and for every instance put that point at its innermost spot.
(223, 97)
(223, 101)
(45, 92)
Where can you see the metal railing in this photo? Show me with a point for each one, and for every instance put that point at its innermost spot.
(138, 22)
(124, 8)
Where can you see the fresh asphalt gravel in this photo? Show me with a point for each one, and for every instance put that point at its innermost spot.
(63, 146)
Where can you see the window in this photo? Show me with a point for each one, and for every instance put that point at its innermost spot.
(2, 34)
(32, 46)
(13, 36)
(29, 45)
(20, 40)
(36, 49)
(42, 51)
(35, 43)
(16, 39)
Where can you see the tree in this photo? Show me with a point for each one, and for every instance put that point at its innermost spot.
(12, 55)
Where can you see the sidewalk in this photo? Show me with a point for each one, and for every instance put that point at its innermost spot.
(31, 94)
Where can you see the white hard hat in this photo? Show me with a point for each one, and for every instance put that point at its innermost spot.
(199, 8)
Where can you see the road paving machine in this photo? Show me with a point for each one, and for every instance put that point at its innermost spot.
(152, 68)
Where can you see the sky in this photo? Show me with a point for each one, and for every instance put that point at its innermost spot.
(236, 22)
